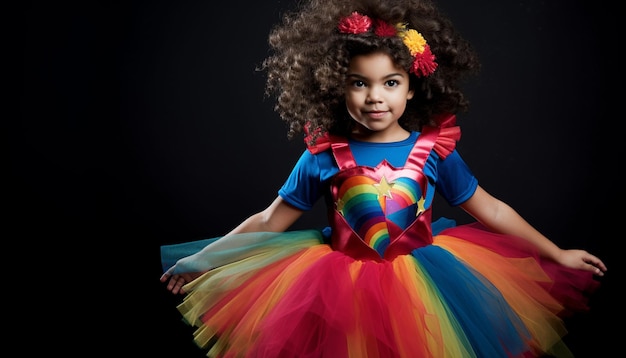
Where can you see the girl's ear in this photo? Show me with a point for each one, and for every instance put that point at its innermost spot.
(410, 94)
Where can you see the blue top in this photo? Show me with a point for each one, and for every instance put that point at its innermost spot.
(310, 178)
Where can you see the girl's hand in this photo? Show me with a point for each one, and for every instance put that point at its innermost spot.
(582, 260)
(185, 270)
(177, 281)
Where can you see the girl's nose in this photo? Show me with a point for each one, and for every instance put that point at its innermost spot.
(373, 95)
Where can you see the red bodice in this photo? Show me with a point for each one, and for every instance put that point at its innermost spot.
(354, 184)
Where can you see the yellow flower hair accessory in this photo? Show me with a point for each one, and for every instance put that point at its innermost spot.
(423, 59)
(424, 63)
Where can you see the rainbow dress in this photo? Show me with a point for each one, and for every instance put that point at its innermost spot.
(382, 285)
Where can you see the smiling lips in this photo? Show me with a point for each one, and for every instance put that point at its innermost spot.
(376, 114)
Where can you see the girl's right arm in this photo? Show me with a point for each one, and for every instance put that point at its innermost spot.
(277, 217)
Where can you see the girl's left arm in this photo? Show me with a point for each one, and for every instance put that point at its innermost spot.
(502, 218)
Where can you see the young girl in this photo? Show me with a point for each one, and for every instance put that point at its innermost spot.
(374, 86)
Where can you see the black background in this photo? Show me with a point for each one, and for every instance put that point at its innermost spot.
(143, 123)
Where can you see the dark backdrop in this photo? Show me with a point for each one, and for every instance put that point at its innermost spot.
(143, 123)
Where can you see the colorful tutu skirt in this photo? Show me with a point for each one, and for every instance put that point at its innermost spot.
(472, 293)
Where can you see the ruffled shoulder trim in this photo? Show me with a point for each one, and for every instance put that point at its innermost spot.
(322, 142)
(449, 135)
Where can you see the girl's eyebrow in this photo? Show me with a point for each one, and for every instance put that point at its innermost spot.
(395, 74)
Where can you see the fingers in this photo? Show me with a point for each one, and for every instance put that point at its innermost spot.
(598, 263)
(167, 274)
(596, 270)
(594, 264)
(175, 284)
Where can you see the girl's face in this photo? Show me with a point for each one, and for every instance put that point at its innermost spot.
(376, 95)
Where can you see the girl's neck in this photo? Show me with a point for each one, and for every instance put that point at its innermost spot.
(365, 135)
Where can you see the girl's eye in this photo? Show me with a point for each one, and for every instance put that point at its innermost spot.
(392, 83)
(358, 83)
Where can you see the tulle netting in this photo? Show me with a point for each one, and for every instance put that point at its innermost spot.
(472, 293)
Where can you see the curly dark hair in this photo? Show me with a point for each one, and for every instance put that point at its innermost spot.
(309, 59)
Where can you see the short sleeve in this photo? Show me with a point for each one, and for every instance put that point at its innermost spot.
(455, 181)
(308, 180)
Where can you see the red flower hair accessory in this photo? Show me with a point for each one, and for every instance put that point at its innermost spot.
(423, 59)
(385, 29)
(355, 24)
